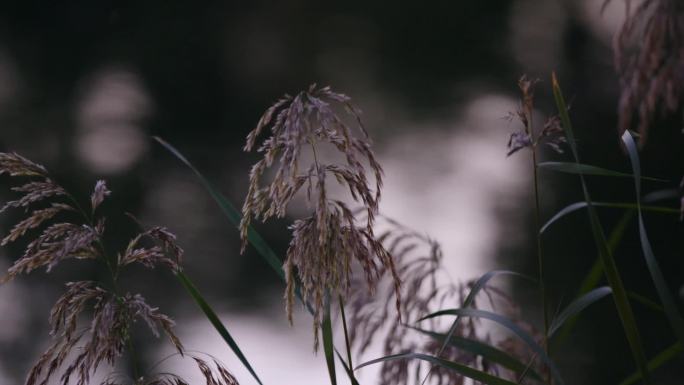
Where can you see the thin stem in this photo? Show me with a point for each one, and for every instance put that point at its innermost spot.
(346, 334)
(540, 259)
(134, 359)
(112, 266)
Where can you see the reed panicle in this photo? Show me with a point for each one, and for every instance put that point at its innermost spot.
(325, 244)
(75, 350)
(649, 59)
(426, 287)
(550, 134)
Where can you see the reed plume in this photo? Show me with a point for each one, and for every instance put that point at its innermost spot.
(649, 59)
(78, 351)
(550, 134)
(324, 244)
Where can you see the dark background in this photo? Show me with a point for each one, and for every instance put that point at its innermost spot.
(84, 84)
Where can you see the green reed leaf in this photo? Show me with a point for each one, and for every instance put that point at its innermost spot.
(659, 360)
(482, 349)
(348, 369)
(586, 169)
(609, 267)
(230, 212)
(215, 321)
(475, 374)
(347, 344)
(594, 275)
(669, 304)
(328, 347)
(580, 205)
(647, 302)
(468, 301)
(577, 306)
(510, 325)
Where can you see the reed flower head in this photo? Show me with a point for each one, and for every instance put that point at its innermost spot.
(551, 133)
(79, 235)
(324, 244)
(426, 288)
(649, 59)
(213, 371)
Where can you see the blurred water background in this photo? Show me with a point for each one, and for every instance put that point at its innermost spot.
(85, 84)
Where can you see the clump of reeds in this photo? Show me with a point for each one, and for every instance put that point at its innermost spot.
(78, 350)
(325, 244)
(426, 287)
(649, 59)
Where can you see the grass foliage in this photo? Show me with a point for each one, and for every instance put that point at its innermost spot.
(387, 288)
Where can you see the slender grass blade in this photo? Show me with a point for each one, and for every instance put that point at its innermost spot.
(328, 348)
(659, 360)
(215, 321)
(468, 301)
(609, 267)
(484, 350)
(586, 169)
(577, 306)
(475, 374)
(230, 212)
(669, 304)
(510, 325)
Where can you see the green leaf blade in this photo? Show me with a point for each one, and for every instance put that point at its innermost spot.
(510, 325)
(577, 306)
(669, 304)
(483, 350)
(475, 374)
(328, 347)
(586, 169)
(609, 267)
(468, 301)
(215, 321)
(233, 215)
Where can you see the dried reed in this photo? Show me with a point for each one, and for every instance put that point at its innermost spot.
(79, 352)
(324, 244)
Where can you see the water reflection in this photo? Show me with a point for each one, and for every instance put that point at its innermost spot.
(113, 106)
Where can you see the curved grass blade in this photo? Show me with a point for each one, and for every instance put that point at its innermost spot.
(510, 325)
(586, 169)
(328, 347)
(348, 369)
(669, 304)
(577, 306)
(580, 205)
(468, 301)
(479, 284)
(234, 216)
(647, 302)
(596, 272)
(215, 321)
(659, 360)
(346, 340)
(592, 278)
(606, 256)
(475, 374)
(484, 350)
(230, 211)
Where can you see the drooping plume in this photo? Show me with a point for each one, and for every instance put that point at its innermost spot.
(324, 244)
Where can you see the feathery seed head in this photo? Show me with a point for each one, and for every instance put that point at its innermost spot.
(550, 134)
(649, 58)
(16, 165)
(325, 244)
(107, 335)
